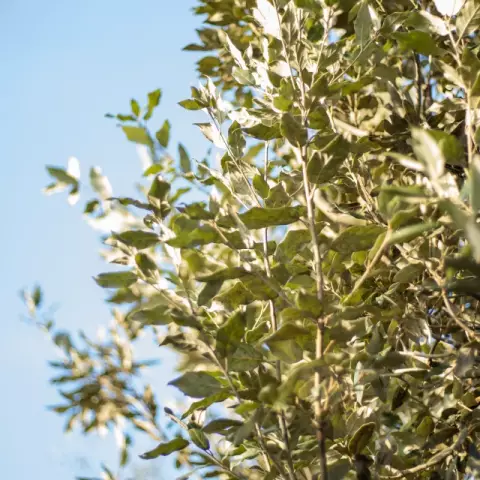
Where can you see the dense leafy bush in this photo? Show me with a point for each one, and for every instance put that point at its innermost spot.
(318, 273)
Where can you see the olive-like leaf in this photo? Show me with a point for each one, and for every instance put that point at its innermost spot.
(165, 449)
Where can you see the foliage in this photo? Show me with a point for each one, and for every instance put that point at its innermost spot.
(321, 281)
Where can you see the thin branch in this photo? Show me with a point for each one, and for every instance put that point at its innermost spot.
(418, 78)
(470, 333)
(273, 317)
(303, 154)
(435, 460)
(319, 280)
(234, 159)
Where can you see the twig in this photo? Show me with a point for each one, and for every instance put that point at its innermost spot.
(234, 159)
(319, 424)
(303, 154)
(455, 317)
(418, 78)
(435, 460)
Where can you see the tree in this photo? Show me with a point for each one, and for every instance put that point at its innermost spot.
(320, 281)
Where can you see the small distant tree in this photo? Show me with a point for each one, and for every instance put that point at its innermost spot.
(318, 273)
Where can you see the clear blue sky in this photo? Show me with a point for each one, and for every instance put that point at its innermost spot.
(64, 65)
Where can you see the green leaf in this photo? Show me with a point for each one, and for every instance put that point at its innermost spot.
(357, 238)
(191, 104)
(123, 118)
(137, 135)
(264, 132)
(463, 263)
(363, 25)
(426, 427)
(165, 449)
(245, 430)
(293, 130)
(277, 197)
(361, 438)
(135, 107)
(261, 186)
(163, 135)
(153, 102)
(293, 243)
(199, 438)
(411, 232)
(138, 239)
(258, 217)
(116, 279)
(464, 286)
(197, 384)
(208, 292)
(408, 273)
(411, 191)
(403, 217)
(203, 235)
(426, 22)
(339, 469)
(243, 77)
(150, 315)
(228, 273)
(185, 163)
(158, 191)
(458, 215)
(220, 425)
(207, 401)
(245, 358)
(417, 41)
(153, 170)
(235, 296)
(231, 333)
(468, 19)
(236, 140)
(127, 201)
(146, 265)
(451, 148)
(282, 103)
(286, 342)
(62, 176)
(428, 151)
(319, 174)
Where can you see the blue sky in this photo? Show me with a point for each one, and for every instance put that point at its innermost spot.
(64, 65)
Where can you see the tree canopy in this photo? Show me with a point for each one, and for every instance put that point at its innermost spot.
(318, 272)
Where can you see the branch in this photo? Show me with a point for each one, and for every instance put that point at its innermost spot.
(273, 318)
(435, 460)
(448, 305)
